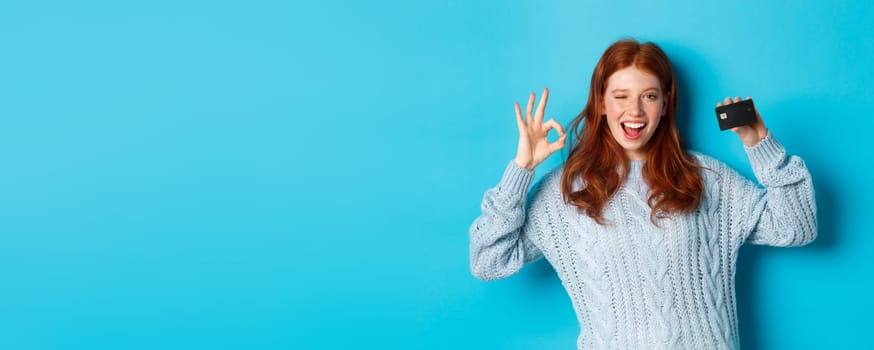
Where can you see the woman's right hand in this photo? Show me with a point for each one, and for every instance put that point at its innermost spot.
(534, 147)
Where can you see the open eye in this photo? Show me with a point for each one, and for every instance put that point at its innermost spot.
(652, 97)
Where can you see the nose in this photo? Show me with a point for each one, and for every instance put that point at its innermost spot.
(635, 108)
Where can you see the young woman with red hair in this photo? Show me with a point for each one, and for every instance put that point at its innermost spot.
(643, 234)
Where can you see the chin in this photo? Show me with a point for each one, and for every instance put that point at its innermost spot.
(639, 145)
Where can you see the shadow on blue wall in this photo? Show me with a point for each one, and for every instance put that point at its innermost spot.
(750, 307)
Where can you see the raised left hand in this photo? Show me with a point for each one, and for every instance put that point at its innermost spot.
(750, 134)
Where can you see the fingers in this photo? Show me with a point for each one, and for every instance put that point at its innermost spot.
(741, 129)
(541, 107)
(552, 124)
(519, 122)
(537, 119)
(528, 118)
(558, 144)
(728, 100)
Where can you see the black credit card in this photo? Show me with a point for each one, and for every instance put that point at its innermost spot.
(736, 114)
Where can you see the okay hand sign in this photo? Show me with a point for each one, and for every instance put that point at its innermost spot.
(534, 147)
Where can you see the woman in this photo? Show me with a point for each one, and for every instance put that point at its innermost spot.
(643, 235)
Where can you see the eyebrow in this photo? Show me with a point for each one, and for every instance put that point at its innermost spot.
(626, 90)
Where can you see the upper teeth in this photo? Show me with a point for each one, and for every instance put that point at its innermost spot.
(634, 125)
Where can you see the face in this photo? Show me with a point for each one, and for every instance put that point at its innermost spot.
(634, 104)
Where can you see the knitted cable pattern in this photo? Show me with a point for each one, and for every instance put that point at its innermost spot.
(635, 285)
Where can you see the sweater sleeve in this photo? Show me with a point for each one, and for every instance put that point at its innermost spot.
(783, 214)
(499, 238)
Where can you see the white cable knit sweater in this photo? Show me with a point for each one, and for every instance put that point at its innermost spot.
(635, 285)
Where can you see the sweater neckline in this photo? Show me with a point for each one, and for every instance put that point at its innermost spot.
(635, 169)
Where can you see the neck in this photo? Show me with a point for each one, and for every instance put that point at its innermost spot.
(635, 168)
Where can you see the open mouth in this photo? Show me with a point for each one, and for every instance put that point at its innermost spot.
(633, 130)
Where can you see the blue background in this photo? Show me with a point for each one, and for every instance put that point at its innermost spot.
(302, 175)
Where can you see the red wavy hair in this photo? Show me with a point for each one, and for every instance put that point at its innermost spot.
(674, 179)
